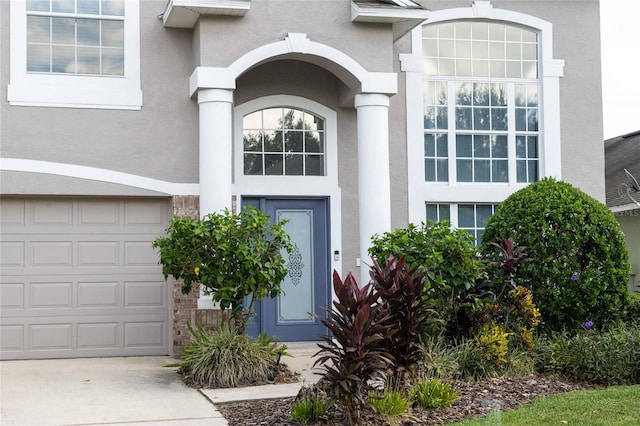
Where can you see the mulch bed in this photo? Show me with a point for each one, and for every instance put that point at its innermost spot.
(476, 399)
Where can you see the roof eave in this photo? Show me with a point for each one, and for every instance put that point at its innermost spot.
(185, 13)
(402, 20)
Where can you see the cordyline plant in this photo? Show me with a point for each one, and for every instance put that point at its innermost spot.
(406, 310)
(355, 355)
(233, 256)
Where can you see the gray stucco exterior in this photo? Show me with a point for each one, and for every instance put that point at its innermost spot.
(161, 140)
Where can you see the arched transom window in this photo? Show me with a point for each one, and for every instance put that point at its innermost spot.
(283, 141)
(481, 89)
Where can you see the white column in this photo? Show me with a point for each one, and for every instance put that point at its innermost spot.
(374, 191)
(216, 142)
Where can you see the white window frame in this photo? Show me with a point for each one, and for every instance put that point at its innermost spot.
(452, 192)
(72, 90)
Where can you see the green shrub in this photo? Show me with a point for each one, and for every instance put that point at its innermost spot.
(579, 268)
(610, 356)
(232, 256)
(439, 358)
(492, 341)
(632, 312)
(310, 410)
(392, 405)
(447, 256)
(228, 359)
(433, 394)
(472, 361)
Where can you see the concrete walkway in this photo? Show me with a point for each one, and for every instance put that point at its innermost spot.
(124, 391)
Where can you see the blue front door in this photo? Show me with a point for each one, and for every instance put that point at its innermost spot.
(306, 287)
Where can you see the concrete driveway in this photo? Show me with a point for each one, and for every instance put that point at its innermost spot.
(96, 391)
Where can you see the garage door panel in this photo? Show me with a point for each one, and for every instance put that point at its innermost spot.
(51, 295)
(12, 254)
(51, 212)
(50, 336)
(57, 254)
(79, 278)
(12, 295)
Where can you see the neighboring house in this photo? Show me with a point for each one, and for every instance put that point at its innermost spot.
(348, 118)
(622, 173)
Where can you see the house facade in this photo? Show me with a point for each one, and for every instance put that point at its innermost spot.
(622, 174)
(346, 117)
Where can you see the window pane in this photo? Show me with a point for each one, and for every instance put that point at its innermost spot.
(532, 95)
(521, 147)
(481, 146)
(499, 147)
(463, 118)
(113, 61)
(497, 69)
(442, 145)
(499, 119)
(38, 59)
(113, 7)
(521, 170)
(481, 119)
(272, 118)
(252, 141)
(513, 69)
(252, 121)
(313, 142)
(113, 33)
(480, 68)
(293, 141)
(463, 67)
(463, 30)
(429, 170)
(89, 6)
(64, 6)
(429, 117)
(63, 30)
(293, 165)
(429, 145)
(533, 170)
(273, 141)
(481, 94)
(483, 213)
(521, 119)
(89, 33)
(432, 212)
(463, 94)
(500, 171)
(442, 118)
(444, 212)
(464, 170)
(532, 120)
(530, 70)
(252, 164)
(482, 171)
(446, 67)
(273, 164)
(314, 165)
(532, 146)
(38, 28)
(443, 170)
(63, 59)
(496, 31)
(466, 216)
(38, 5)
(499, 95)
(464, 146)
(88, 60)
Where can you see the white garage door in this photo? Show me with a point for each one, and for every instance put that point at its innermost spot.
(79, 278)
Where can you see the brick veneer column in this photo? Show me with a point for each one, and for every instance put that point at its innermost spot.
(184, 306)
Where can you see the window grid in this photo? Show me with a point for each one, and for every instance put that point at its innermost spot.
(84, 37)
(480, 49)
(438, 212)
(436, 157)
(283, 142)
(490, 112)
(474, 217)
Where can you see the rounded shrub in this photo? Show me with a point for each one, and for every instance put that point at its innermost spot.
(579, 268)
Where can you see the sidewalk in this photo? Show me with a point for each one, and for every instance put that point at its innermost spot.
(124, 391)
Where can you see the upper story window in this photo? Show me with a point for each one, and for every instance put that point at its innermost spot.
(75, 53)
(75, 36)
(283, 141)
(480, 102)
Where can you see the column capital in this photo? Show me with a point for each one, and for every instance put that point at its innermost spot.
(215, 95)
(371, 99)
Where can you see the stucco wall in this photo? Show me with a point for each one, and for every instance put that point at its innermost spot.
(160, 141)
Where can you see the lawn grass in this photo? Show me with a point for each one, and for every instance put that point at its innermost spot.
(616, 405)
